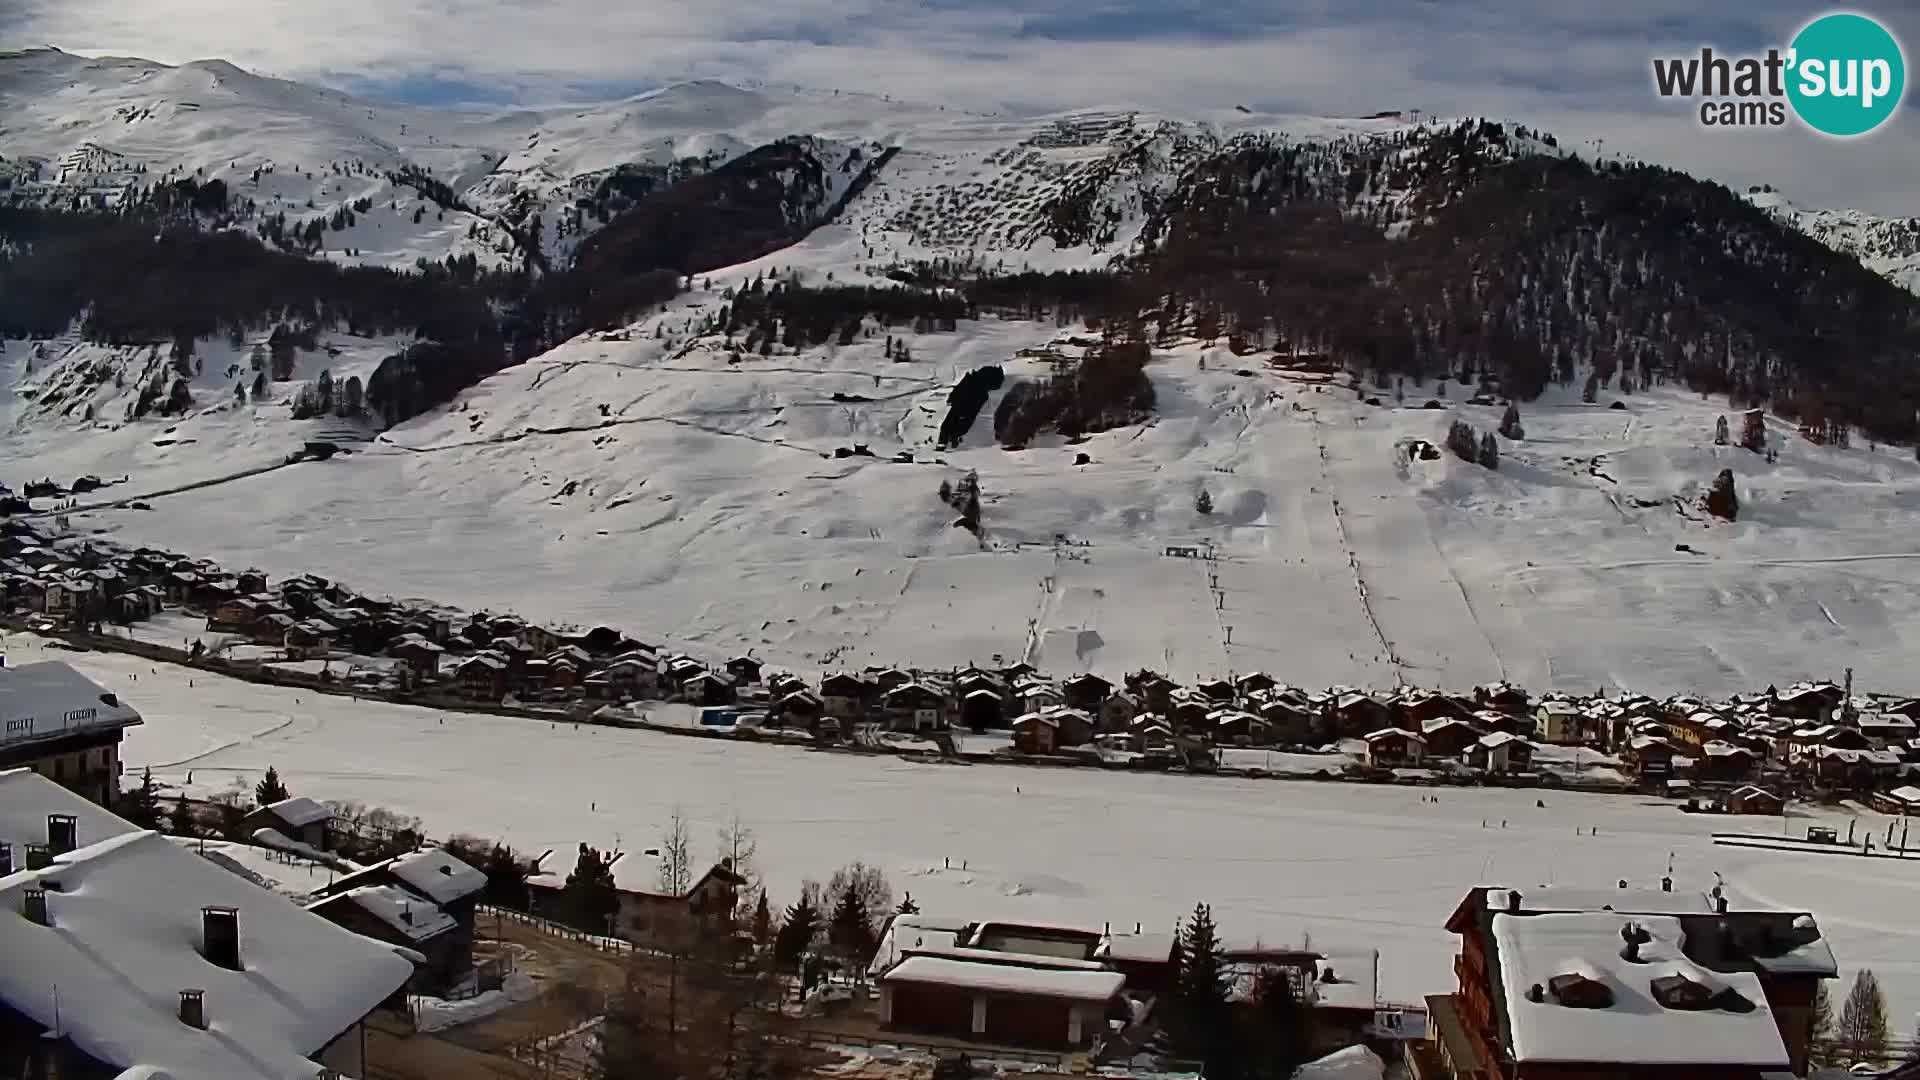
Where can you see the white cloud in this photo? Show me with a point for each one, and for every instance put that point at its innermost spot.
(1571, 66)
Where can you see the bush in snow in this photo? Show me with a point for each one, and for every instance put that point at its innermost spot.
(1463, 441)
(1510, 423)
(1489, 451)
(1721, 501)
(1203, 502)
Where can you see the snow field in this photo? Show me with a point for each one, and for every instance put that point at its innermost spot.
(1355, 867)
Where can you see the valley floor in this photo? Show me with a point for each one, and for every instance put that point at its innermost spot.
(1356, 868)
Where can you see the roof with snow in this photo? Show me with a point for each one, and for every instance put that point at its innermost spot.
(25, 803)
(121, 947)
(1642, 1020)
(298, 811)
(1142, 948)
(399, 909)
(51, 699)
(1073, 985)
(437, 874)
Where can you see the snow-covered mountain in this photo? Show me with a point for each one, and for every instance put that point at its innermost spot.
(771, 481)
(1887, 246)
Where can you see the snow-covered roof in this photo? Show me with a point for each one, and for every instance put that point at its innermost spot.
(400, 910)
(298, 811)
(1004, 956)
(1008, 978)
(121, 947)
(915, 931)
(1499, 739)
(1635, 1028)
(1563, 898)
(1907, 794)
(25, 802)
(437, 874)
(50, 698)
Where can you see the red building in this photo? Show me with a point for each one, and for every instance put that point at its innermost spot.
(1570, 984)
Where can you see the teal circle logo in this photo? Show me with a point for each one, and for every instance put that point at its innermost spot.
(1847, 75)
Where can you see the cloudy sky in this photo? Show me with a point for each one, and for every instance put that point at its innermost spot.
(1580, 68)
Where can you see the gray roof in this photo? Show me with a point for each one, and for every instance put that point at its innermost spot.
(51, 699)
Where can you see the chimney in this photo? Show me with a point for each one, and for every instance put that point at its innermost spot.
(49, 1057)
(38, 857)
(33, 904)
(193, 1008)
(1720, 905)
(63, 833)
(220, 937)
(1513, 901)
(6, 858)
(1536, 993)
(1666, 884)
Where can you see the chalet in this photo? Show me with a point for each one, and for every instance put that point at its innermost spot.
(887, 678)
(1883, 730)
(1448, 737)
(1189, 713)
(1854, 770)
(1018, 670)
(1650, 757)
(745, 669)
(310, 640)
(252, 581)
(800, 708)
(428, 898)
(418, 653)
(64, 726)
(1808, 701)
(1235, 727)
(1119, 707)
(1086, 691)
(273, 629)
(1154, 690)
(915, 706)
(1254, 682)
(1145, 958)
(846, 695)
(180, 585)
(633, 676)
(1036, 733)
(708, 688)
(982, 708)
(483, 678)
(1036, 694)
(1218, 690)
(1755, 800)
(1394, 747)
(1419, 708)
(1501, 697)
(1559, 723)
(648, 917)
(1698, 991)
(562, 674)
(1501, 752)
(572, 654)
(1289, 721)
(540, 639)
(1356, 714)
(1722, 762)
(166, 964)
(298, 819)
(1007, 985)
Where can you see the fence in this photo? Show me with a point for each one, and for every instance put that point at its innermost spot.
(606, 944)
(818, 1037)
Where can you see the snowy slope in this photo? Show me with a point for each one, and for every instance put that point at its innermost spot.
(642, 479)
(1887, 246)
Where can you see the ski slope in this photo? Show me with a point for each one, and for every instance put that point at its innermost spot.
(1355, 868)
(642, 480)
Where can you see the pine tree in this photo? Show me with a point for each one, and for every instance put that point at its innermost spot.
(1489, 451)
(1510, 423)
(589, 899)
(1753, 432)
(1591, 392)
(1862, 1031)
(762, 922)
(141, 805)
(182, 821)
(1203, 502)
(1463, 442)
(1201, 1015)
(1278, 1028)
(797, 931)
(850, 931)
(1720, 436)
(270, 790)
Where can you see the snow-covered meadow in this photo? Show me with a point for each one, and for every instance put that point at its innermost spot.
(1355, 867)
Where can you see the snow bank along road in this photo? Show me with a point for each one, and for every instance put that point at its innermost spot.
(1356, 867)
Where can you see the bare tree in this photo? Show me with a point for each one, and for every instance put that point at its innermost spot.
(738, 850)
(676, 857)
(1862, 1033)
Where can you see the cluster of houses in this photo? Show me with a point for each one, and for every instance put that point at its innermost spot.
(1809, 738)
